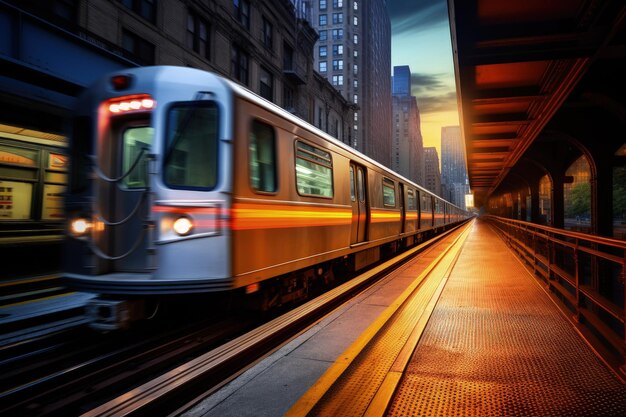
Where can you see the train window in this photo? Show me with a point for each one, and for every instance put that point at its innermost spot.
(190, 159)
(426, 203)
(412, 203)
(352, 190)
(262, 151)
(361, 184)
(137, 141)
(389, 193)
(314, 171)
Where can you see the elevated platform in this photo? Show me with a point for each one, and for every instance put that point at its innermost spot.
(476, 335)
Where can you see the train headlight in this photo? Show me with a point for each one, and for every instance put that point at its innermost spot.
(183, 226)
(79, 226)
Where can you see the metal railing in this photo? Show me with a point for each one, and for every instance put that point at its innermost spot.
(584, 272)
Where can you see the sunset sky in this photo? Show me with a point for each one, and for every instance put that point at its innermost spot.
(420, 38)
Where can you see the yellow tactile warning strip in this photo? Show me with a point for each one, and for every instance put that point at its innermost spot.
(496, 345)
(366, 373)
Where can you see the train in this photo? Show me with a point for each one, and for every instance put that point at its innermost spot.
(184, 182)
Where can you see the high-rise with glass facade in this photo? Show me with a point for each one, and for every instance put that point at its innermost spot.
(453, 167)
(432, 176)
(401, 80)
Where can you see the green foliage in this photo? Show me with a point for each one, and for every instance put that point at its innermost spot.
(580, 203)
(619, 193)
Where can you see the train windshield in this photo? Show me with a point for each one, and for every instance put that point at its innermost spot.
(190, 158)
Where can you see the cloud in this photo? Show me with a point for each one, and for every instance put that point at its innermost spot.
(437, 103)
(433, 93)
(417, 15)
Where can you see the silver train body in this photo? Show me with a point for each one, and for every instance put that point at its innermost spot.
(185, 182)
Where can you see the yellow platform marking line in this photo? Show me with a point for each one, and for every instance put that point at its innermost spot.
(37, 300)
(29, 280)
(384, 395)
(306, 403)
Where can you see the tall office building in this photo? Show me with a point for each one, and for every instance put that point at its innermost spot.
(453, 167)
(401, 80)
(407, 151)
(354, 52)
(432, 176)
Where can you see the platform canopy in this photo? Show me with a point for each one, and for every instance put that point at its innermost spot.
(517, 63)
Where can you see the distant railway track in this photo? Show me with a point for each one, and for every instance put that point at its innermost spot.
(24, 289)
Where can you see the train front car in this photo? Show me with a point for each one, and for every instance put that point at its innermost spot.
(149, 190)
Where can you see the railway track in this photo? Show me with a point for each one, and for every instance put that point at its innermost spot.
(158, 369)
(76, 370)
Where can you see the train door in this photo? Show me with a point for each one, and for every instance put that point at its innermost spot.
(418, 199)
(358, 199)
(402, 207)
(122, 195)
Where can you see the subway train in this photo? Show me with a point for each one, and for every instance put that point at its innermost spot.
(184, 182)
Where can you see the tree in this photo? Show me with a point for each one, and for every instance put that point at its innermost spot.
(619, 192)
(580, 201)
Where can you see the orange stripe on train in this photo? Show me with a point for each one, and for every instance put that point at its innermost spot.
(257, 216)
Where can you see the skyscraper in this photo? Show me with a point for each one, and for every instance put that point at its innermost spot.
(453, 168)
(354, 53)
(432, 176)
(401, 80)
(407, 152)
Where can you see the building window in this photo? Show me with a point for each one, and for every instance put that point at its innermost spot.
(198, 35)
(323, 51)
(356, 39)
(239, 65)
(337, 18)
(337, 64)
(288, 98)
(356, 116)
(337, 79)
(355, 69)
(355, 20)
(287, 57)
(337, 50)
(141, 50)
(322, 4)
(323, 66)
(323, 35)
(268, 34)
(337, 34)
(144, 8)
(356, 5)
(337, 4)
(262, 148)
(242, 12)
(323, 20)
(355, 53)
(355, 99)
(266, 84)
